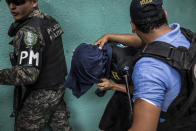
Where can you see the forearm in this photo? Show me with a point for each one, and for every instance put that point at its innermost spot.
(18, 75)
(120, 87)
(126, 39)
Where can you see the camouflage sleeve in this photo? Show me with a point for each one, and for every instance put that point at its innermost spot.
(19, 75)
(28, 48)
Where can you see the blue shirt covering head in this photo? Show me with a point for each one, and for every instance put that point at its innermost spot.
(154, 80)
(89, 64)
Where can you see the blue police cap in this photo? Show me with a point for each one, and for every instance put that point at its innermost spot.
(141, 9)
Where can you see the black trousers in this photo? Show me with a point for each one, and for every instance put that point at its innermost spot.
(188, 125)
(117, 116)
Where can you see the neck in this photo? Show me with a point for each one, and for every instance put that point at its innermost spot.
(154, 34)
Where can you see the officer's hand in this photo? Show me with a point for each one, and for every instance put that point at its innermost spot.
(105, 85)
(102, 40)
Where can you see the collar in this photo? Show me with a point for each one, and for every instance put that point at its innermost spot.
(14, 27)
(36, 13)
(172, 35)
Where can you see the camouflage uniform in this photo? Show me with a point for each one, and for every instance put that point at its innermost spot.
(41, 107)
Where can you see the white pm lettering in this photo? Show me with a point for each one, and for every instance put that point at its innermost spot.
(23, 55)
(33, 56)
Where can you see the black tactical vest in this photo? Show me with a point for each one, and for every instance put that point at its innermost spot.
(181, 114)
(121, 57)
(53, 69)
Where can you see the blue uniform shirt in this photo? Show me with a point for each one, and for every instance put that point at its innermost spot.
(155, 81)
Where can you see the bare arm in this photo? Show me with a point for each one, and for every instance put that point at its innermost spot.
(145, 117)
(107, 84)
(126, 39)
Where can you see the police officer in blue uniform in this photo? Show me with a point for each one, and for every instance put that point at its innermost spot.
(156, 84)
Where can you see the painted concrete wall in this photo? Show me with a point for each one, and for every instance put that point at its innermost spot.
(83, 21)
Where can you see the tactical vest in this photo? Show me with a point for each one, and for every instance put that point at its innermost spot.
(121, 57)
(181, 114)
(53, 68)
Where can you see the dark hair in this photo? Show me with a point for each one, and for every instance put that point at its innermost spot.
(149, 23)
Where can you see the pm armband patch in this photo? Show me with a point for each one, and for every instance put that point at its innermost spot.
(30, 38)
(29, 58)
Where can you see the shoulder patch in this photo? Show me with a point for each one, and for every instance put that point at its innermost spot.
(30, 38)
(194, 71)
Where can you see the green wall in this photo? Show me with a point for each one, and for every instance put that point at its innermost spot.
(83, 21)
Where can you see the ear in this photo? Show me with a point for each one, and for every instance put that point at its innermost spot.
(35, 3)
(166, 14)
(133, 27)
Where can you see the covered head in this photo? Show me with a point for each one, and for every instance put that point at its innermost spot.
(89, 64)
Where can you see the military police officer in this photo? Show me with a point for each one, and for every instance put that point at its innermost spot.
(39, 66)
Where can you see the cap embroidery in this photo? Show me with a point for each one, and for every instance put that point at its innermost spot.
(144, 2)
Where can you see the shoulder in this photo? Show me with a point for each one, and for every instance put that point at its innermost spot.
(151, 66)
(150, 80)
(153, 71)
(30, 35)
(27, 36)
